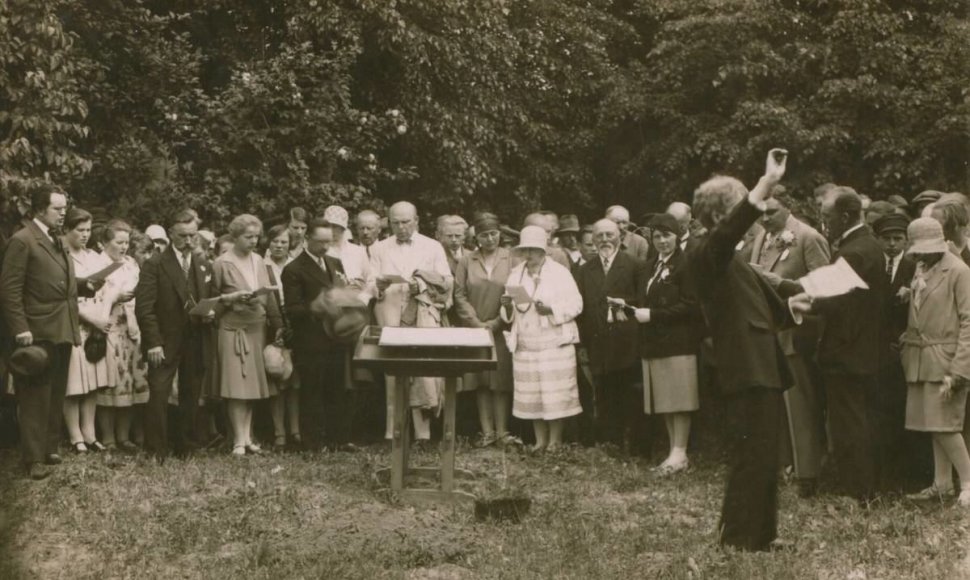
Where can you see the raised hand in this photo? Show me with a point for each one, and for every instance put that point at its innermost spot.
(775, 165)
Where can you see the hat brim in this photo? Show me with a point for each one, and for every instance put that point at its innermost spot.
(928, 247)
(889, 230)
(568, 230)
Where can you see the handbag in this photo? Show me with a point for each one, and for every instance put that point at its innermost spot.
(95, 346)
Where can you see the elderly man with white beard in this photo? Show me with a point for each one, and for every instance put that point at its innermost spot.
(609, 333)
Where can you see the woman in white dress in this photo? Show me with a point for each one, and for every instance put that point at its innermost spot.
(542, 339)
(121, 405)
(84, 377)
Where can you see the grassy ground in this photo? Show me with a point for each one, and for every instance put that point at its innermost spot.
(325, 516)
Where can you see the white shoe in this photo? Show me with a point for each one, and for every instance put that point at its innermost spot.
(964, 498)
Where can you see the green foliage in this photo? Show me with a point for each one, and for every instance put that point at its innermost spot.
(144, 106)
(42, 113)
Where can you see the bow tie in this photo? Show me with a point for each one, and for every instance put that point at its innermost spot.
(407, 242)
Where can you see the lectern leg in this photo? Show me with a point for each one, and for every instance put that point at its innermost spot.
(448, 436)
(399, 444)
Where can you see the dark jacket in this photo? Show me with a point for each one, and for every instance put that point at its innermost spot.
(303, 281)
(611, 346)
(675, 319)
(853, 336)
(743, 312)
(38, 290)
(163, 298)
(899, 309)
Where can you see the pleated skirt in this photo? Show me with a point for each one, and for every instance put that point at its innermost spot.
(544, 376)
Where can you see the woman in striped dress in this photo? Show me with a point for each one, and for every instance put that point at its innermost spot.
(541, 303)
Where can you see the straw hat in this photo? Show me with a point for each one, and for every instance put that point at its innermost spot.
(569, 223)
(926, 237)
(532, 237)
(156, 232)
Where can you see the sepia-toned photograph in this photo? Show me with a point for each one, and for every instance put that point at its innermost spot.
(484, 289)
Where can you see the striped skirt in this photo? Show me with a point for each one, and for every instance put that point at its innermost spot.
(544, 376)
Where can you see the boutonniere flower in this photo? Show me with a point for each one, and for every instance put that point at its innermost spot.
(786, 239)
(740, 246)
(342, 278)
(664, 273)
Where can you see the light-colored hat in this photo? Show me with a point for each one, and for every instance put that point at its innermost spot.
(532, 237)
(336, 216)
(208, 236)
(156, 232)
(926, 237)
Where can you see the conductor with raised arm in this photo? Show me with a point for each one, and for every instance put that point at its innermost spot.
(744, 314)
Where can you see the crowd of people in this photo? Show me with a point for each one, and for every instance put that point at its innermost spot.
(163, 341)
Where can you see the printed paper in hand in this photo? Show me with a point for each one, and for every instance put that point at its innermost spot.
(265, 290)
(104, 272)
(204, 307)
(833, 280)
(518, 294)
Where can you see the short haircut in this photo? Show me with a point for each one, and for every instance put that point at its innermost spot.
(846, 200)
(717, 195)
(139, 242)
(953, 216)
(316, 224)
(298, 214)
(277, 231)
(75, 217)
(185, 216)
(823, 189)
(113, 228)
(241, 223)
(40, 195)
(368, 214)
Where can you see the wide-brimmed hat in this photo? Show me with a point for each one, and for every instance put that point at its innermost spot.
(29, 361)
(278, 362)
(569, 223)
(532, 238)
(664, 222)
(926, 237)
(898, 200)
(893, 222)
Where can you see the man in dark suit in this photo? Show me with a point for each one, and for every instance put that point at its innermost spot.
(38, 293)
(744, 315)
(907, 456)
(609, 335)
(173, 341)
(853, 342)
(325, 401)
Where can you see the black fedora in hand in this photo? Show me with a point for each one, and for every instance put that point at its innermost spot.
(29, 361)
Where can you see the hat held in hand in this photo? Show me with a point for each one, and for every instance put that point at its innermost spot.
(29, 361)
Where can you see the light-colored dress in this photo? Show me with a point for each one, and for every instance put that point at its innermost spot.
(936, 344)
(127, 369)
(84, 377)
(543, 347)
(478, 294)
(242, 328)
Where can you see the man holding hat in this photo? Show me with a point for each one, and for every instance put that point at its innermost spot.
(38, 296)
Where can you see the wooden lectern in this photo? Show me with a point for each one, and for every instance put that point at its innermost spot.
(425, 352)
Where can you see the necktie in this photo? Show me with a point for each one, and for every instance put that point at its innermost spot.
(185, 264)
(889, 269)
(764, 246)
(55, 235)
(367, 249)
(606, 265)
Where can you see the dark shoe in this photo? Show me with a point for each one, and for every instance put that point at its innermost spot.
(38, 471)
(53, 459)
(96, 447)
(127, 447)
(807, 487)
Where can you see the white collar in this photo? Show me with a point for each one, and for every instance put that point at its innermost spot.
(44, 228)
(846, 233)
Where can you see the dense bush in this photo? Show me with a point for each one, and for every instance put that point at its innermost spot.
(142, 106)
